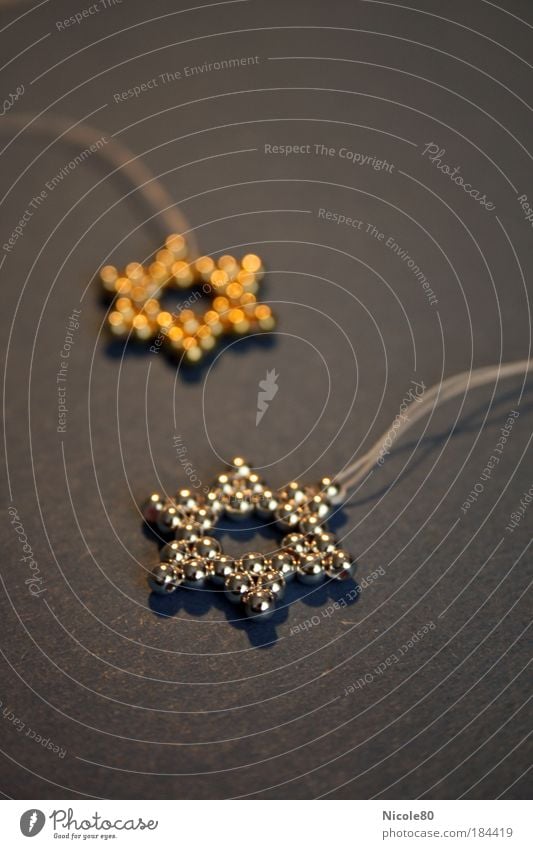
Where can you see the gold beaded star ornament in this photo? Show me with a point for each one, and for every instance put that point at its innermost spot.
(231, 287)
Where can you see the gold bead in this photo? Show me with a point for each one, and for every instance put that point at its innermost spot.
(204, 267)
(192, 351)
(177, 245)
(123, 286)
(158, 271)
(108, 277)
(189, 321)
(152, 287)
(264, 317)
(229, 264)
(212, 319)
(134, 271)
(152, 308)
(125, 307)
(252, 263)
(142, 328)
(238, 321)
(191, 326)
(234, 291)
(138, 295)
(219, 280)
(248, 303)
(175, 337)
(165, 257)
(248, 281)
(205, 337)
(221, 305)
(164, 319)
(118, 324)
(182, 273)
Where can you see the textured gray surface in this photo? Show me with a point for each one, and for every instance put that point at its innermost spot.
(190, 705)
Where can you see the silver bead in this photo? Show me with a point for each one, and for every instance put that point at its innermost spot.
(255, 485)
(332, 491)
(224, 485)
(287, 516)
(310, 525)
(186, 500)
(213, 505)
(240, 468)
(295, 544)
(169, 520)
(273, 581)
(236, 586)
(194, 573)
(310, 569)
(220, 567)
(165, 578)
(259, 604)
(294, 492)
(190, 532)
(207, 548)
(202, 517)
(175, 552)
(323, 541)
(253, 563)
(340, 565)
(152, 507)
(284, 563)
(318, 506)
(266, 503)
(239, 505)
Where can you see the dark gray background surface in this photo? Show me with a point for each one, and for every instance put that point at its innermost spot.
(191, 704)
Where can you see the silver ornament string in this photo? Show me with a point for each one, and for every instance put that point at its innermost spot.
(439, 394)
(120, 157)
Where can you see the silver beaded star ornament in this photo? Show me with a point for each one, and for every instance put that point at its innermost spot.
(194, 558)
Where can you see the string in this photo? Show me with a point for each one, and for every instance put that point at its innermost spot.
(434, 397)
(120, 157)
